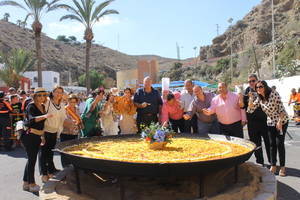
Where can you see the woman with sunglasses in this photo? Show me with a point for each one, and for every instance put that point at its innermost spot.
(35, 116)
(72, 125)
(277, 121)
(257, 123)
(53, 127)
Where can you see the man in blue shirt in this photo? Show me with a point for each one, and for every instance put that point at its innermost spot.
(148, 102)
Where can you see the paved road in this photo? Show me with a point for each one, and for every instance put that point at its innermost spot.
(12, 166)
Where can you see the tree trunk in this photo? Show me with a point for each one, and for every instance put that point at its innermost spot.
(39, 59)
(37, 28)
(87, 65)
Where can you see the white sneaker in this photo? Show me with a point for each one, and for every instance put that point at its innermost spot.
(34, 188)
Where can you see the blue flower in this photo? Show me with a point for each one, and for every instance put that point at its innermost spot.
(144, 135)
(159, 136)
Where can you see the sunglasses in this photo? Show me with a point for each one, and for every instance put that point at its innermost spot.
(251, 81)
(260, 87)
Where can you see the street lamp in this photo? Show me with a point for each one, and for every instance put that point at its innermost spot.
(195, 49)
(273, 39)
(230, 20)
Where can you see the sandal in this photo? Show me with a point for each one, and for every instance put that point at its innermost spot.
(282, 172)
(273, 169)
(34, 188)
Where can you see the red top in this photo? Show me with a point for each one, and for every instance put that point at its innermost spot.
(171, 111)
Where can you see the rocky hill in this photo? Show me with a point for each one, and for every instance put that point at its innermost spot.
(61, 57)
(252, 37)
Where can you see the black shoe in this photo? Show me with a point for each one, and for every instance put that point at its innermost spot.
(55, 171)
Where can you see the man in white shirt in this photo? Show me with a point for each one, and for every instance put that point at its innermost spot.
(186, 99)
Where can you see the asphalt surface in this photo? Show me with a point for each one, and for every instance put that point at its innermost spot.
(12, 166)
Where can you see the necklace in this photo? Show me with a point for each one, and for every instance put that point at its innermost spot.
(58, 107)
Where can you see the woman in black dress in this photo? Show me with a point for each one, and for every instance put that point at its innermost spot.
(32, 138)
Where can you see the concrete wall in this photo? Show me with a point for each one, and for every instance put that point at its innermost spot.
(50, 79)
(148, 68)
(127, 78)
(133, 77)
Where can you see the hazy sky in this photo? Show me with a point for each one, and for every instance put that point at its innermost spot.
(151, 26)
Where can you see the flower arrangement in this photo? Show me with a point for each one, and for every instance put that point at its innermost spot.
(156, 135)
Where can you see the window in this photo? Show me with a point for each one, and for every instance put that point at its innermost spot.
(35, 79)
(55, 79)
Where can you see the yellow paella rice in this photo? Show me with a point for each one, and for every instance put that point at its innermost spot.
(137, 150)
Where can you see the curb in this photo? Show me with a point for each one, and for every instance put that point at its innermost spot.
(268, 188)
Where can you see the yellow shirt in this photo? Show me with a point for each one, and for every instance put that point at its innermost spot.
(123, 105)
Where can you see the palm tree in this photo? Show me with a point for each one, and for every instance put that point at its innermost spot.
(6, 16)
(87, 13)
(23, 24)
(35, 9)
(16, 62)
(19, 22)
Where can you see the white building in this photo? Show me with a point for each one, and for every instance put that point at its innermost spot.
(50, 79)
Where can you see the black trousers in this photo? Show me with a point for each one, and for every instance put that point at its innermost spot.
(145, 119)
(191, 125)
(234, 129)
(65, 137)
(31, 143)
(277, 144)
(5, 131)
(258, 131)
(177, 124)
(46, 154)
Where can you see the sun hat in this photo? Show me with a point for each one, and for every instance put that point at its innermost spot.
(39, 90)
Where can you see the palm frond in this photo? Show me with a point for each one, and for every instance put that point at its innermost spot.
(12, 3)
(81, 10)
(27, 16)
(72, 17)
(106, 12)
(99, 8)
(52, 5)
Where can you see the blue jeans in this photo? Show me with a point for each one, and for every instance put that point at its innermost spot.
(204, 127)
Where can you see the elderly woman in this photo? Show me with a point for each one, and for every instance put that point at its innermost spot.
(125, 107)
(277, 121)
(72, 124)
(173, 112)
(35, 116)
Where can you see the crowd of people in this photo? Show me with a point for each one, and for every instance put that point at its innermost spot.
(49, 117)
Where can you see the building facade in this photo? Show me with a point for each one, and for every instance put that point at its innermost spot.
(50, 79)
(134, 77)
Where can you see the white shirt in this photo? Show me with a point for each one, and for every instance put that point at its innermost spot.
(186, 100)
(55, 123)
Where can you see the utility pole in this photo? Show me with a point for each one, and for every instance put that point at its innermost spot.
(178, 51)
(273, 39)
(231, 60)
(217, 29)
(195, 49)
